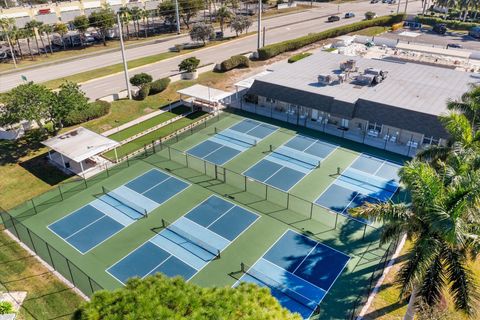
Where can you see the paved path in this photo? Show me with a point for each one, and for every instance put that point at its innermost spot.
(278, 29)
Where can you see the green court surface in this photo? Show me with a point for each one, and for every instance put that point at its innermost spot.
(277, 211)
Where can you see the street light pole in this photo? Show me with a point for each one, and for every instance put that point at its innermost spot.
(259, 35)
(177, 15)
(124, 57)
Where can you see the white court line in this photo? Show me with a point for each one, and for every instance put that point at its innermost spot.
(219, 218)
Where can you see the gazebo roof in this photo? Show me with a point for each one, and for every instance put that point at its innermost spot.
(204, 93)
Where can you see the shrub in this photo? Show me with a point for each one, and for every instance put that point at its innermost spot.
(369, 15)
(299, 56)
(143, 92)
(233, 62)
(140, 79)
(451, 24)
(275, 49)
(6, 307)
(94, 110)
(159, 85)
(189, 64)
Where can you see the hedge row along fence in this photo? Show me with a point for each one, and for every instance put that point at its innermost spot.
(275, 49)
(451, 24)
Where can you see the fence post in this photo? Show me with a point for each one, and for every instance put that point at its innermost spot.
(70, 271)
(153, 146)
(245, 183)
(288, 199)
(311, 210)
(128, 161)
(60, 191)
(31, 240)
(336, 220)
(364, 231)
(50, 255)
(169, 154)
(85, 182)
(91, 285)
(15, 227)
(186, 159)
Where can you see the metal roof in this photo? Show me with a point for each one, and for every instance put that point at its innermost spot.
(80, 144)
(204, 93)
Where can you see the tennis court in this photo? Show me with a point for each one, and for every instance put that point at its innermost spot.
(298, 270)
(114, 210)
(228, 143)
(184, 247)
(368, 179)
(285, 166)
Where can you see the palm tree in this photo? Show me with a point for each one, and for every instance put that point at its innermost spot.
(136, 15)
(62, 30)
(442, 223)
(145, 15)
(27, 34)
(32, 26)
(16, 36)
(48, 29)
(223, 15)
(7, 25)
(125, 18)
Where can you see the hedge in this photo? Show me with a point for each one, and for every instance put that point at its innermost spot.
(451, 24)
(159, 85)
(233, 62)
(299, 56)
(143, 92)
(94, 110)
(275, 49)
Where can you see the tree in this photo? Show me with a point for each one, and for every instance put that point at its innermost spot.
(223, 15)
(189, 9)
(81, 23)
(369, 15)
(103, 20)
(62, 30)
(167, 11)
(32, 27)
(125, 18)
(136, 14)
(159, 297)
(48, 29)
(240, 24)
(201, 32)
(145, 14)
(189, 64)
(27, 34)
(68, 99)
(29, 101)
(140, 79)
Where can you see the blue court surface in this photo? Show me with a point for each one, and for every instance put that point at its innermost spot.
(285, 166)
(227, 144)
(368, 179)
(298, 270)
(187, 245)
(99, 220)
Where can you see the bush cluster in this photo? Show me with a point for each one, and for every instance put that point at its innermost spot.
(143, 92)
(299, 56)
(6, 307)
(233, 62)
(275, 49)
(451, 24)
(94, 110)
(159, 85)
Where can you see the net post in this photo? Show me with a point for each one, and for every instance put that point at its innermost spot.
(336, 220)
(245, 183)
(254, 142)
(186, 159)
(60, 191)
(146, 213)
(242, 267)
(288, 199)
(104, 191)
(215, 129)
(338, 170)
(164, 224)
(218, 253)
(271, 148)
(311, 210)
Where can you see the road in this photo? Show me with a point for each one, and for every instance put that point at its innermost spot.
(278, 29)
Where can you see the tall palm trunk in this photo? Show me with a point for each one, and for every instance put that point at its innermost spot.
(410, 314)
(29, 48)
(43, 44)
(36, 42)
(19, 48)
(49, 41)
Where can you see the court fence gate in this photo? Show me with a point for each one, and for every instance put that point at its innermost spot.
(162, 148)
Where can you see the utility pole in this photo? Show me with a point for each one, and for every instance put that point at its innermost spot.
(177, 14)
(125, 66)
(259, 35)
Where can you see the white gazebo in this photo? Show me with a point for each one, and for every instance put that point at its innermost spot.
(209, 99)
(78, 151)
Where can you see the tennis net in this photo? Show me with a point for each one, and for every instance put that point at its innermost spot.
(115, 196)
(240, 140)
(272, 283)
(305, 162)
(191, 239)
(361, 178)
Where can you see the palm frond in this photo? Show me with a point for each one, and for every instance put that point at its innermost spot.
(430, 289)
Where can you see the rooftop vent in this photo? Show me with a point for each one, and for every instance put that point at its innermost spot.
(349, 66)
(325, 79)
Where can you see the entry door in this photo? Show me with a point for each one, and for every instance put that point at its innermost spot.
(314, 114)
(344, 123)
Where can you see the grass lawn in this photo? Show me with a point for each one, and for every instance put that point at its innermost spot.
(372, 31)
(139, 143)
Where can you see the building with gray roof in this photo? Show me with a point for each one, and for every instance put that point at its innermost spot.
(399, 107)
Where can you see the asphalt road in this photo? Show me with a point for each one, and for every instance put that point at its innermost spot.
(278, 29)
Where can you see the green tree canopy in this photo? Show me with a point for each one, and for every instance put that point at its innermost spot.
(29, 101)
(201, 32)
(68, 99)
(81, 23)
(159, 297)
(189, 64)
(187, 10)
(103, 20)
(140, 79)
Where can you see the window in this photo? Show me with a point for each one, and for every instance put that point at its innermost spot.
(270, 100)
(374, 127)
(430, 141)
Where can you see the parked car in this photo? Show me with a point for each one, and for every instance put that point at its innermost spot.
(454, 45)
(391, 1)
(474, 32)
(384, 1)
(349, 15)
(333, 18)
(440, 28)
(375, 1)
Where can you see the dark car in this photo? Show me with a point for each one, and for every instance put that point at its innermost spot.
(374, 1)
(333, 18)
(440, 28)
(454, 45)
(349, 15)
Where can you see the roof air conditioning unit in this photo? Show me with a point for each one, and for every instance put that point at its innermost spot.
(349, 65)
(325, 79)
(365, 79)
(376, 72)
